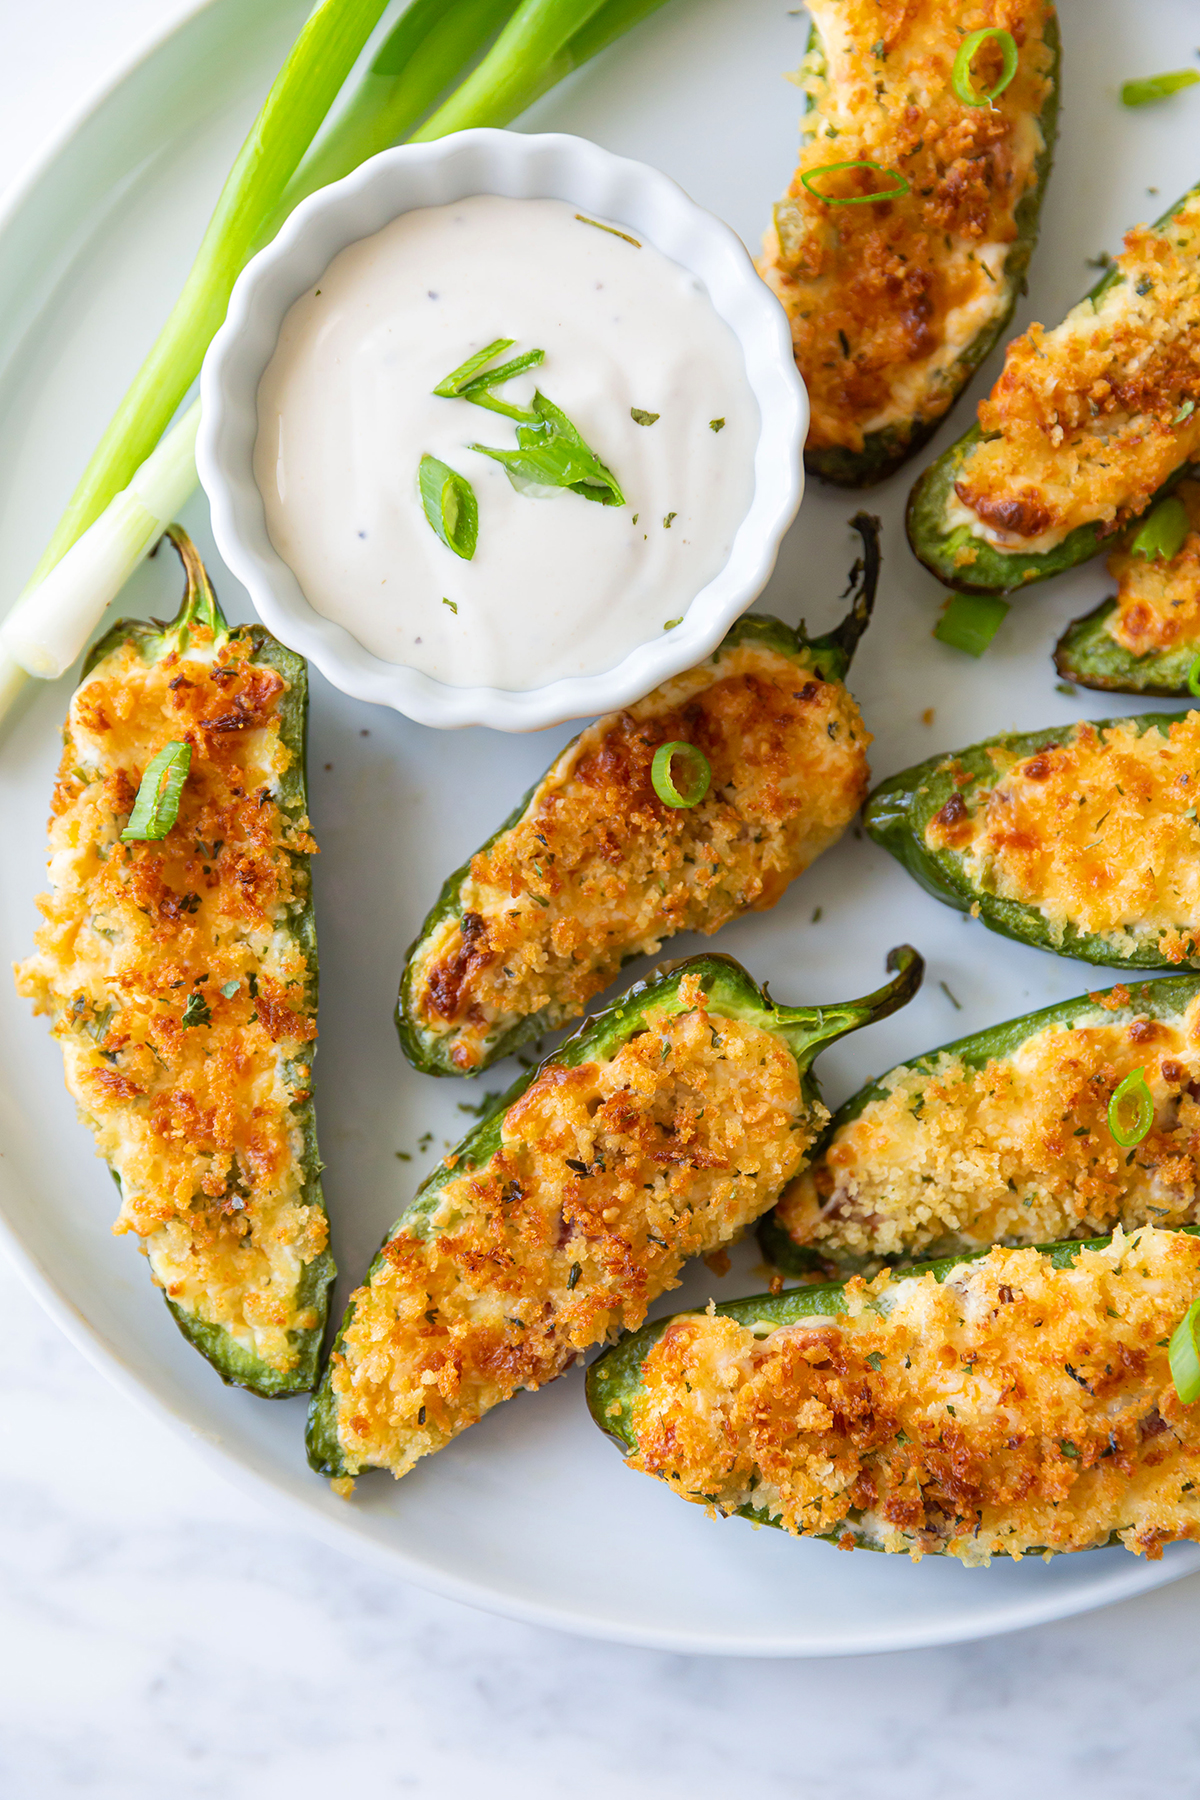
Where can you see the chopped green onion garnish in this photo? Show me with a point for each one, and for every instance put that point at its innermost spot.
(643, 418)
(808, 176)
(1157, 87)
(449, 502)
(453, 384)
(611, 229)
(696, 781)
(1193, 679)
(1184, 1357)
(551, 453)
(1163, 531)
(157, 805)
(474, 381)
(961, 77)
(971, 621)
(1132, 1092)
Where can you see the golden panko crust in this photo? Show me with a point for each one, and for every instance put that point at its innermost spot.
(1087, 421)
(1012, 1409)
(1018, 1151)
(599, 869)
(884, 299)
(609, 1175)
(182, 1003)
(1098, 830)
(1158, 598)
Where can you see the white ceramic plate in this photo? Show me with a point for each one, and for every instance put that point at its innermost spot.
(532, 1512)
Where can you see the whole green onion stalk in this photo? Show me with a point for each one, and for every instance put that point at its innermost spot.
(539, 42)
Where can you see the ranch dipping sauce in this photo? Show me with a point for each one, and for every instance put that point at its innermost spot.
(558, 584)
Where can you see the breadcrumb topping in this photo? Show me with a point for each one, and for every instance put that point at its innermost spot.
(1018, 1151)
(598, 869)
(1012, 1409)
(884, 299)
(184, 1006)
(1098, 830)
(1158, 598)
(608, 1176)
(1088, 420)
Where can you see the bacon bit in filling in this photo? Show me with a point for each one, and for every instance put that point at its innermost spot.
(598, 869)
(188, 1089)
(1088, 421)
(1013, 1409)
(1018, 1151)
(608, 1176)
(1158, 601)
(1098, 831)
(884, 299)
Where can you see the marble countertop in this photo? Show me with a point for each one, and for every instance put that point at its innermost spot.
(162, 1633)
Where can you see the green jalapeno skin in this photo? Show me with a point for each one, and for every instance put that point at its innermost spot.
(828, 657)
(614, 1380)
(731, 993)
(988, 569)
(1087, 653)
(1165, 1000)
(899, 810)
(883, 451)
(237, 1366)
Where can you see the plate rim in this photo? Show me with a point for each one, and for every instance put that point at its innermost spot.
(981, 1622)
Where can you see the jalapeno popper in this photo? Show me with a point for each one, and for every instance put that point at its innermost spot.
(178, 964)
(894, 302)
(1081, 839)
(661, 1130)
(1016, 1404)
(1146, 639)
(1087, 425)
(1061, 1124)
(606, 856)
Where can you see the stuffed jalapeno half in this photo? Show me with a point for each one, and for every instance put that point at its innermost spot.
(662, 1129)
(894, 303)
(1088, 423)
(1081, 839)
(596, 865)
(1017, 1403)
(1014, 1135)
(1146, 639)
(178, 964)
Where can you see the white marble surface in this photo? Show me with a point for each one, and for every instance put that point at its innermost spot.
(160, 1634)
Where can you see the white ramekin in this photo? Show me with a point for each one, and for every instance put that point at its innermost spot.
(435, 174)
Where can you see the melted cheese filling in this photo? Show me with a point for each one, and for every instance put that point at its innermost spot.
(1088, 420)
(598, 869)
(178, 994)
(608, 1177)
(1019, 1151)
(1098, 831)
(1158, 599)
(884, 300)
(1014, 1408)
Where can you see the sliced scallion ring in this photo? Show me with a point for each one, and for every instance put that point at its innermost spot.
(1162, 531)
(961, 78)
(1133, 1092)
(157, 805)
(450, 506)
(808, 176)
(696, 781)
(971, 621)
(1184, 1356)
